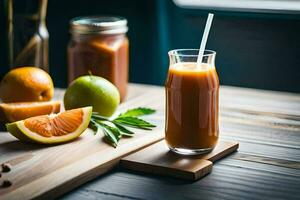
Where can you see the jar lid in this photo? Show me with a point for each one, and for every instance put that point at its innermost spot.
(98, 25)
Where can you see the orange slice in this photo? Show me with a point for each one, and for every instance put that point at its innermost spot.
(11, 112)
(54, 128)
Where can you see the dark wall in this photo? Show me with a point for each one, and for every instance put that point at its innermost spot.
(253, 50)
(141, 18)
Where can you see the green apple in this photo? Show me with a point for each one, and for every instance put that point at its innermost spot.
(93, 91)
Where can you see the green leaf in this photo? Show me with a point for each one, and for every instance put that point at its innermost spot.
(96, 115)
(137, 112)
(134, 122)
(110, 136)
(114, 130)
(123, 130)
(94, 126)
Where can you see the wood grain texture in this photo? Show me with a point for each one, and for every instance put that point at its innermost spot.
(44, 172)
(158, 159)
(266, 166)
(224, 182)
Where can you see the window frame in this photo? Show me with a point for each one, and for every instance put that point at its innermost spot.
(257, 6)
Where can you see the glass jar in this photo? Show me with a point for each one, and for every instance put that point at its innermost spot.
(99, 44)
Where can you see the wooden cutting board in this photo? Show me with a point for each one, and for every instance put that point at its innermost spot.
(45, 172)
(158, 159)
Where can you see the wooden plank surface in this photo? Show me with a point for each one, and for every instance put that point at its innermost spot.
(267, 165)
(158, 159)
(44, 172)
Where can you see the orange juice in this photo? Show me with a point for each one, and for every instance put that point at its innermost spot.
(192, 107)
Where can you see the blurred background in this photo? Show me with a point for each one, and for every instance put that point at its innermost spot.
(257, 48)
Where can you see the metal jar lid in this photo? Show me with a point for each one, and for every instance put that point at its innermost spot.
(98, 25)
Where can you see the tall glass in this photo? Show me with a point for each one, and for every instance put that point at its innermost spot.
(192, 102)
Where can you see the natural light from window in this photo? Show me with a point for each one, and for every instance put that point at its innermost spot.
(280, 6)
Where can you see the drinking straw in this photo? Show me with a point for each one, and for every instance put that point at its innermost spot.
(204, 40)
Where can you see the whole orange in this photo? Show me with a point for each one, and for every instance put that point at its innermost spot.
(26, 84)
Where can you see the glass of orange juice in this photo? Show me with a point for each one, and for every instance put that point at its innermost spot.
(192, 102)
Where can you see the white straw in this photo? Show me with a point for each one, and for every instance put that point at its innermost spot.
(204, 39)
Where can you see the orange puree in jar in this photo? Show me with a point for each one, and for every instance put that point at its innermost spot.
(99, 45)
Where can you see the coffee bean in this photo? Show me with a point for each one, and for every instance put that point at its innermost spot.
(6, 167)
(6, 183)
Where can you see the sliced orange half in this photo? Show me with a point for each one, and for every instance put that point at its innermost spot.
(54, 128)
(11, 112)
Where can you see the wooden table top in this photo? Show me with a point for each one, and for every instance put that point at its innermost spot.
(266, 166)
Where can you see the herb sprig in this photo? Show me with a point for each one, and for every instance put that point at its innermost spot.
(115, 129)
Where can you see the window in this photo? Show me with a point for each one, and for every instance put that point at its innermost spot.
(276, 6)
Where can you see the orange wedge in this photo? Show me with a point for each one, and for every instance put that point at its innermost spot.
(54, 128)
(11, 112)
